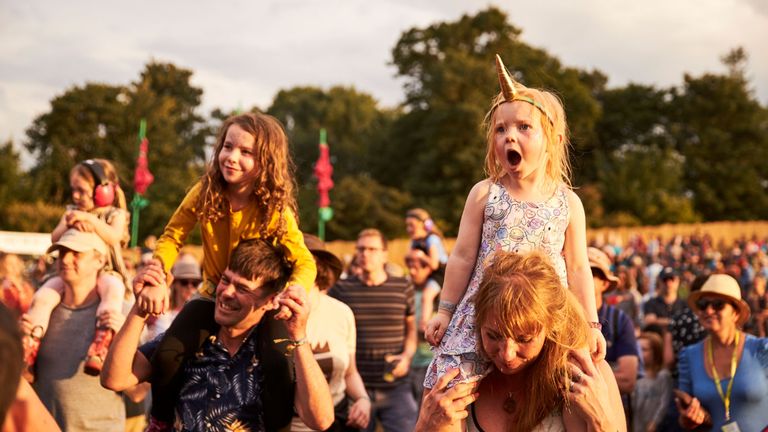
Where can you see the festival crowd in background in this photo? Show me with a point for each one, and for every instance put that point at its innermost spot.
(271, 331)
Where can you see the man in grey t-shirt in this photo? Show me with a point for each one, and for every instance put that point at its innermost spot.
(77, 401)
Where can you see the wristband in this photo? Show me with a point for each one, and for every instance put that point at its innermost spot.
(595, 325)
(447, 306)
(291, 344)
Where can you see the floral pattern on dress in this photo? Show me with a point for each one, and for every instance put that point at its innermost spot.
(508, 225)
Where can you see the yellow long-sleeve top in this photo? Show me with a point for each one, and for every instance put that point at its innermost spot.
(221, 237)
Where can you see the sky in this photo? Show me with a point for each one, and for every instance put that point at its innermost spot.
(243, 52)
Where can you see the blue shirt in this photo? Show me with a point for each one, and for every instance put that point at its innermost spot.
(749, 396)
(220, 392)
(619, 333)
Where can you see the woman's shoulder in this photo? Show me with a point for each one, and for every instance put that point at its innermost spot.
(756, 345)
(692, 350)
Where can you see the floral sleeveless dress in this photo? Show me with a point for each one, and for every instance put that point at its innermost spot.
(508, 225)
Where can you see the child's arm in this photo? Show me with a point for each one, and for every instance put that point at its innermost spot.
(304, 269)
(578, 271)
(434, 253)
(576, 261)
(181, 224)
(111, 233)
(60, 228)
(461, 261)
(431, 290)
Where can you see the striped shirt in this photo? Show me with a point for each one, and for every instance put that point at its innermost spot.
(380, 316)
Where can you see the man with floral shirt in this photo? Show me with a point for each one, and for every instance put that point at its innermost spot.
(230, 385)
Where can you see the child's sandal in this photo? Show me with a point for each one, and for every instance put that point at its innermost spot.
(31, 344)
(97, 352)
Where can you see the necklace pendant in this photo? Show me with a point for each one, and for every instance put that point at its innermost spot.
(509, 404)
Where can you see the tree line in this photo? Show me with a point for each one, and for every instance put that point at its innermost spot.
(641, 154)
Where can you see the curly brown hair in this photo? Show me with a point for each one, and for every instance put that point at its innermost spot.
(524, 294)
(274, 186)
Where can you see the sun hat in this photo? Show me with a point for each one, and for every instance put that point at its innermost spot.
(79, 241)
(726, 288)
(186, 269)
(323, 256)
(599, 260)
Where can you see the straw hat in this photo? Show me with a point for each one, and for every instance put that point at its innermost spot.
(599, 260)
(725, 287)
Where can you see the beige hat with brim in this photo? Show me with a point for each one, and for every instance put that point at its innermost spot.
(79, 241)
(599, 260)
(725, 287)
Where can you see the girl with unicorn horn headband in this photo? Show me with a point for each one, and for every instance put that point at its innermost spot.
(525, 204)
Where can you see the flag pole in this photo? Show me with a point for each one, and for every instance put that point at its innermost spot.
(323, 173)
(142, 178)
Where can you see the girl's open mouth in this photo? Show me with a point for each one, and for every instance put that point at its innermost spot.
(513, 157)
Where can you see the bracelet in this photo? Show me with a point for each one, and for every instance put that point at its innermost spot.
(292, 344)
(595, 325)
(447, 306)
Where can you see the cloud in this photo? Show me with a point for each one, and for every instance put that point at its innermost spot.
(243, 52)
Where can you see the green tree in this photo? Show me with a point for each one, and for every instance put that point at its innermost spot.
(10, 175)
(450, 79)
(646, 183)
(361, 202)
(99, 120)
(356, 128)
(722, 131)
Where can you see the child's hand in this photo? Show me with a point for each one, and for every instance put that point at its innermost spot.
(597, 345)
(285, 313)
(436, 328)
(153, 299)
(80, 220)
(294, 300)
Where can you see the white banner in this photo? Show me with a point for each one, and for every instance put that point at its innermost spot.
(22, 243)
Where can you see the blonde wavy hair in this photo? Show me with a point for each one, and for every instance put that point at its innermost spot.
(523, 295)
(274, 185)
(558, 168)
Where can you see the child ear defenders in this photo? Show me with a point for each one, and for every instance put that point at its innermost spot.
(103, 190)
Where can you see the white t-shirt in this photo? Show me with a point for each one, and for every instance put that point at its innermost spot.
(331, 334)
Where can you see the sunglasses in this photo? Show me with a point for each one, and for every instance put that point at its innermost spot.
(717, 304)
(187, 281)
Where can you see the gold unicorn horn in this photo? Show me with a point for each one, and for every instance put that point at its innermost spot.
(505, 81)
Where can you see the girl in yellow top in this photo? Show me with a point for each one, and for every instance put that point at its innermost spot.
(246, 193)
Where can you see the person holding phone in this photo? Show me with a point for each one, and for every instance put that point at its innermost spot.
(723, 379)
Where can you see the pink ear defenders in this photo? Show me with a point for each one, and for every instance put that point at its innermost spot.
(104, 190)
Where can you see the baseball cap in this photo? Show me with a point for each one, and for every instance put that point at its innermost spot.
(79, 241)
(667, 273)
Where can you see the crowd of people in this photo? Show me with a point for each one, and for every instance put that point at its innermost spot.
(522, 326)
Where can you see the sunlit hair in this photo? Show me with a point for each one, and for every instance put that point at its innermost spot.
(82, 171)
(522, 295)
(423, 216)
(558, 168)
(274, 187)
(657, 351)
(261, 259)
